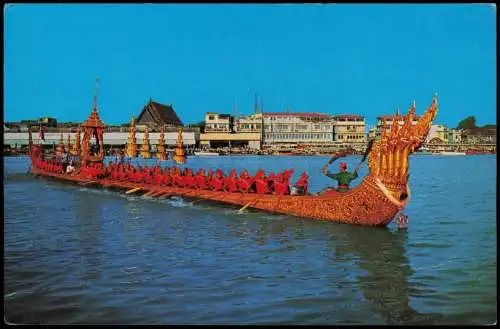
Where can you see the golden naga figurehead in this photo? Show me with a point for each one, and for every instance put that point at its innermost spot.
(388, 159)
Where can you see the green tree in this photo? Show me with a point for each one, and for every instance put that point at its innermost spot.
(467, 123)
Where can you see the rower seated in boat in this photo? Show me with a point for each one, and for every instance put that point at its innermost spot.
(230, 184)
(209, 178)
(217, 182)
(261, 183)
(147, 176)
(282, 183)
(188, 178)
(244, 182)
(344, 178)
(166, 178)
(157, 177)
(301, 186)
(177, 178)
(200, 181)
(271, 178)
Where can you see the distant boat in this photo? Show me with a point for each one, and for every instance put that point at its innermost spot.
(203, 153)
(451, 153)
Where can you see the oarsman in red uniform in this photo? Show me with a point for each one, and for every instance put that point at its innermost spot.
(230, 184)
(244, 183)
(210, 176)
(131, 175)
(261, 183)
(271, 178)
(200, 180)
(189, 181)
(282, 182)
(177, 179)
(302, 184)
(157, 177)
(123, 174)
(217, 182)
(166, 178)
(147, 176)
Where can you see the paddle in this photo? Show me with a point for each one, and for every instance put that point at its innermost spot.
(245, 206)
(133, 190)
(368, 149)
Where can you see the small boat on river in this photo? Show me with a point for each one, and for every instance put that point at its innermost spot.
(206, 153)
(382, 194)
(451, 153)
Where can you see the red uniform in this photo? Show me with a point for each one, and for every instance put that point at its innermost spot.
(166, 178)
(217, 182)
(261, 183)
(244, 182)
(177, 179)
(230, 184)
(302, 183)
(282, 184)
(189, 181)
(270, 181)
(200, 180)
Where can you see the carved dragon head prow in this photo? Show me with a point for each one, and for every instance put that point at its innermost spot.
(388, 159)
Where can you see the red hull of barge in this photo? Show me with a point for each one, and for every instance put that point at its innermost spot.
(364, 205)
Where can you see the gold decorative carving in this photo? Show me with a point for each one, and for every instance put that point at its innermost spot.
(179, 153)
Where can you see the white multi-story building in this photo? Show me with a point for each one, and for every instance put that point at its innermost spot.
(215, 122)
(349, 128)
(438, 134)
(455, 136)
(289, 128)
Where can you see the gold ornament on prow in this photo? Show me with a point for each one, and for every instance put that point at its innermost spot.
(76, 144)
(388, 159)
(131, 150)
(161, 153)
(146, 148)
(179, 153)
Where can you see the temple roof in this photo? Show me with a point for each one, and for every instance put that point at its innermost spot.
(160, 114)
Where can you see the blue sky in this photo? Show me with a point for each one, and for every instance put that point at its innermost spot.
(336, 59)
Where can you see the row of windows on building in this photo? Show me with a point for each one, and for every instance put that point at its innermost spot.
(324, 137)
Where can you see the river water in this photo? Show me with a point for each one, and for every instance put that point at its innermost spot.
(75, 255)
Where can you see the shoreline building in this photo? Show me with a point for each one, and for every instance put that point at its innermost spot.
(297, 128)
(215, 122)
(274, 129)
(349, 128)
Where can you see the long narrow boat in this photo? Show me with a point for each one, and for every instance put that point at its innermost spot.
(374, 202)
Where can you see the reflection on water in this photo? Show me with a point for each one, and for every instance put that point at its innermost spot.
(385, 282)
(82, 255)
